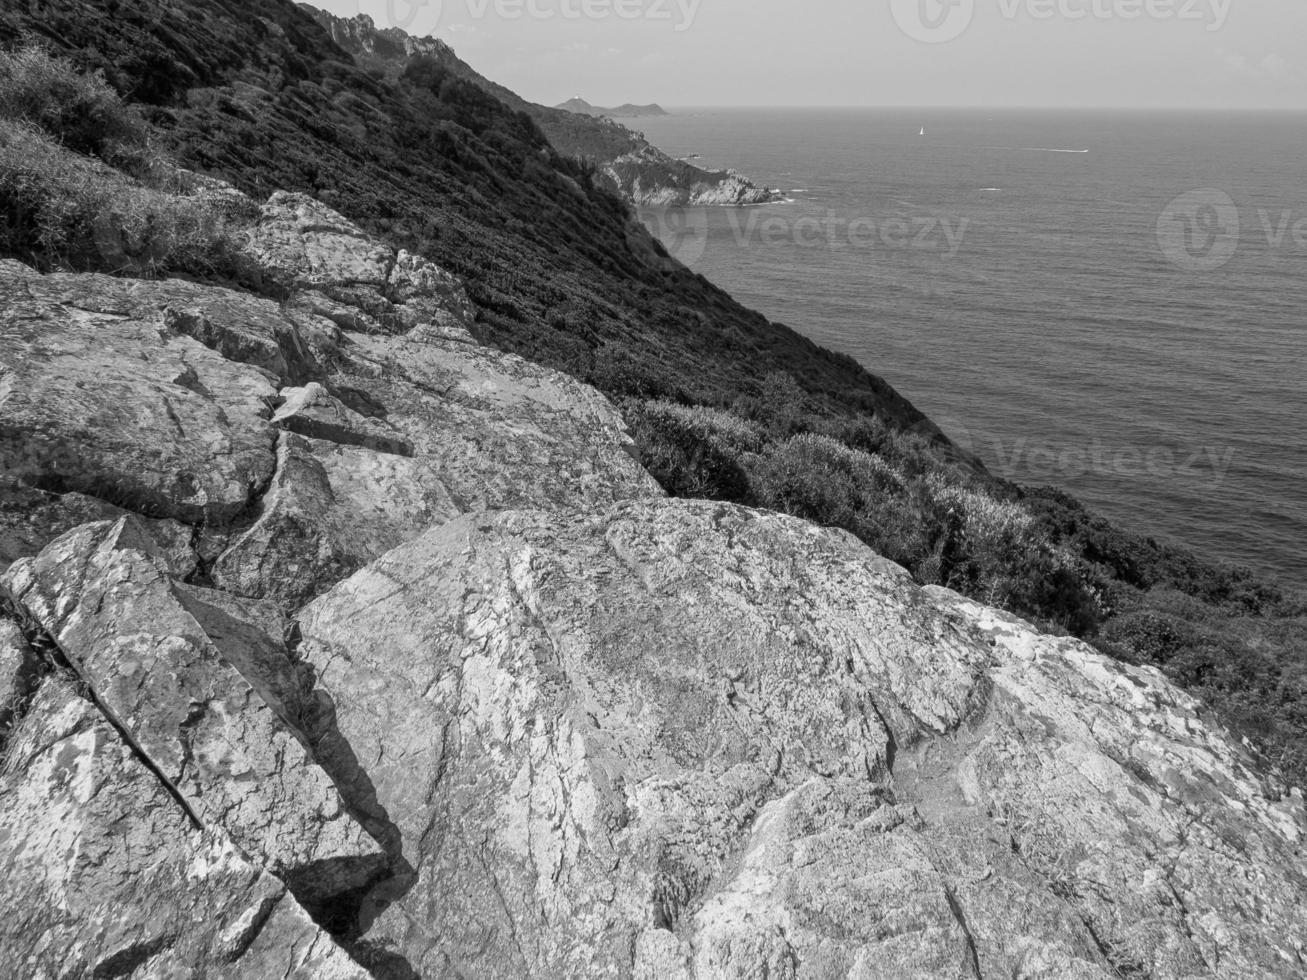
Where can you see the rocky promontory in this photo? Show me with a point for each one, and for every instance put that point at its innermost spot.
(625, 161)
(340, 646)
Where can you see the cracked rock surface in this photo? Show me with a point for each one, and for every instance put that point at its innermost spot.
(106, 877)
(689, 740)
(172, 401)
(232, 755)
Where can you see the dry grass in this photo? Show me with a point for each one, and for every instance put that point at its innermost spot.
(63, 210)
(84, 186)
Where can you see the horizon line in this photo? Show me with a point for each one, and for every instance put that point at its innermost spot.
(974, 108)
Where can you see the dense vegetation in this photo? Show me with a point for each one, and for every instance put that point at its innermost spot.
(723, 403)
(83, 184)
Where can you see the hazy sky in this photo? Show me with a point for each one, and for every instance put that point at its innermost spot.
(1144, 53)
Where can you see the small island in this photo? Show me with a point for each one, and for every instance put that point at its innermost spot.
(626, 111)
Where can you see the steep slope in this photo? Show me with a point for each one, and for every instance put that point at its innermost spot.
(626, 162)
(257, 93)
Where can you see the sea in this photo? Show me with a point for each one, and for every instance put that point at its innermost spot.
(1112, 303)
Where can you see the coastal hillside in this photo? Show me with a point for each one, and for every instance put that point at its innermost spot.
(623, 160)
(343, 647)
(722, 403)
(407, 570)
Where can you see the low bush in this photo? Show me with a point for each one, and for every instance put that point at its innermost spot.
(999, 553)
(824, 481)
(694, 452)
(62, 210)
(78, 109)
(1251, 668)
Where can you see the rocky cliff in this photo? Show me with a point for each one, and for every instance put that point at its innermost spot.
(334, 644)
(625, 161)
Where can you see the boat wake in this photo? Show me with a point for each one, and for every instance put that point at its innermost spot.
(1031, 149)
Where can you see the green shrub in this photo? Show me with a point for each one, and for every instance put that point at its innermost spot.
(62, 210)
(1251, 668)
(998, 552)
(694, 452)
(824, 481)
(781, 406)
(80, 110)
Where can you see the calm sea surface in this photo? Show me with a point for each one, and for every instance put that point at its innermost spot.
(1129, 323)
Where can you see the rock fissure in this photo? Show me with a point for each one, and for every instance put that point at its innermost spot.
(41, 640)
(973, 956)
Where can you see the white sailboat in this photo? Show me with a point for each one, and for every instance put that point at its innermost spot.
(923, 130)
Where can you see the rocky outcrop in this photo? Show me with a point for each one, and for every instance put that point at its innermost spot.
(222, 739)
(276, 446)
(19, 674)
(626, 110)
(690, 740)
(105, 876)
(647, 177)
(88, 391)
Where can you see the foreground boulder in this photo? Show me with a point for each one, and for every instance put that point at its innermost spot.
(214, 712)
(687, 740)
(106, 876)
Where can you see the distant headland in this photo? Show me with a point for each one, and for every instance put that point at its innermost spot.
(627, 111)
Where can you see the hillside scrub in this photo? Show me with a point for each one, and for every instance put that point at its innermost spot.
(78, 109)
(83, 187)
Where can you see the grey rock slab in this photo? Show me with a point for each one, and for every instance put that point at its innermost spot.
(312, 412)
(450, 428)
(687, 740)
(121, 409)
(30, 519)
(330, 510)
(106, 876)
(237, 325)
(300, 241)
(235, 760)
(574, 720)
(500, 431)
(19, 673)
